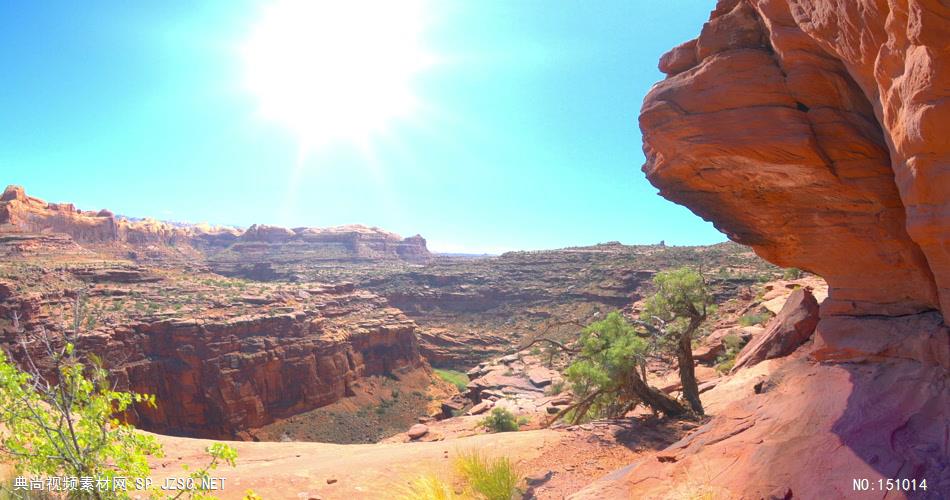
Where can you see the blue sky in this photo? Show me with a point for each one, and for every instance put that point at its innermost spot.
(523, 136)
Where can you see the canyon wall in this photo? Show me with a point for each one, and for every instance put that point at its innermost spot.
(218, 379)
(220, 360)
(814, 131)
(21, 213)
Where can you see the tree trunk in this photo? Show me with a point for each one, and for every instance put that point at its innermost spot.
(655, 398)
(687, 370)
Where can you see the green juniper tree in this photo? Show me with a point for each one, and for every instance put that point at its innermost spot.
(608, 374)
(674, 314)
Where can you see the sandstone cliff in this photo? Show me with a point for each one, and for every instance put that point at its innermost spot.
(221, 356)
(218, 378)
(269, 252)
(20, 213)
(814, 131)
(231, 248)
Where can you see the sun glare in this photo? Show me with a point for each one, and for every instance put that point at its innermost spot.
(335, 70)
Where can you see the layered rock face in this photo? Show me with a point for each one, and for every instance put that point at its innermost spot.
(814, 131)
(20, 213)
(231, 248)
(269, 252)
(221, 357)
(218, 379)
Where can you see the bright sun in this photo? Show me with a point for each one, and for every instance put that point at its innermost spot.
(331, 70)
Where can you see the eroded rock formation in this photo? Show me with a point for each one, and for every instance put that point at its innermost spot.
(221, 357)
(262, 245)
(793, 325)
(20, 213)
(219, 378)
(813, 131)
(269, 252)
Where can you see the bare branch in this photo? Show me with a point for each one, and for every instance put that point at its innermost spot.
(555, 343)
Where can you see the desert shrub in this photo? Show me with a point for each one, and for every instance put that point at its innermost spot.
(732, 344)
(792, 273)
(456, 378)
(754, 318)
(495, 479)
(428, 487)
(44, 442)
(555, 388)
(502, 420)
(724, 366)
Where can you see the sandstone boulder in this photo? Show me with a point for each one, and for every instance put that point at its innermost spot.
(417, 431)
(481, 407)
(793, 325)
(541, 376)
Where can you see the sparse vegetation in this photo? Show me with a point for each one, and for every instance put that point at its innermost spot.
(494, 479)
(502, 420)
(792, 273)
(555, 388)
(429, 487)
(476, 477)
(732, 344)
(456, 378)
(754, 318)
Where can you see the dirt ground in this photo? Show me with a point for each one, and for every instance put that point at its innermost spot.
(571, 458)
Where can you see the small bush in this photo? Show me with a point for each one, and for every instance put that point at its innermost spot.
(792, 273)
(752, 319)
(495, 479)
(555, 388)
(732, 345)
(429, 487)
(725, 366)
(502, 420)
(458, 379)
